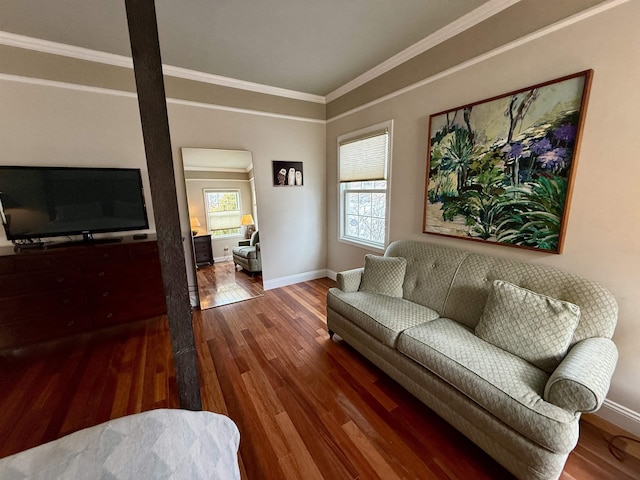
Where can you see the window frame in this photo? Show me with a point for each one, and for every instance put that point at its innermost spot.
(236, 191)
(342, 191)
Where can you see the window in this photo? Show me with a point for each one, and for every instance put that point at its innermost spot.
(363, 171)
(223, 212)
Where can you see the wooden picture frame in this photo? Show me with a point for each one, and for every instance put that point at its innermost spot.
(287, 174)
(501, 170)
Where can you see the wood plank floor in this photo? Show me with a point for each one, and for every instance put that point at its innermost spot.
(221, 284)
(307, 407)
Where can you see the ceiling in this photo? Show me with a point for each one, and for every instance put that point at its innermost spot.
(310, 46)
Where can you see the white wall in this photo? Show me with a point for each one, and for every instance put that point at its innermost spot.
(49, 125)
(603, 233)
(292, 220)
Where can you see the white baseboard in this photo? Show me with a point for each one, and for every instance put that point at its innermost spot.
(332, 275)
(623, 417)
(222, 259)
(291, 279)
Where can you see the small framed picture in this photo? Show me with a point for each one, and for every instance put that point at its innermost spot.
(287, 174)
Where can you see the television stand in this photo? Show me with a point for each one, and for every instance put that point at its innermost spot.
(51, 294)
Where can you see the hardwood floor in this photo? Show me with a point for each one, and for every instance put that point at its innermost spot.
(307, 407)
(221, 284)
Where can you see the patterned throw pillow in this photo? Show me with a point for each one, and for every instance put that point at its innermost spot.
(383, 275)
(534, 327)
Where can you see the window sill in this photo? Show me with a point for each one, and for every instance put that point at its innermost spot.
(365, 246)
(226, 237)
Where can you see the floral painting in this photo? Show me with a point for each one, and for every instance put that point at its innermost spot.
(501, 170)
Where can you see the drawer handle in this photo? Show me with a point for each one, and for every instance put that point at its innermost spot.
(109, 315)
(101, 274)
(60, 279)
(105, 255)
(71, 323)
(66, 301)
(105, 294)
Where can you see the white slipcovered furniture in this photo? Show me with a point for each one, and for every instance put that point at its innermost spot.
(175, 444)
(509, 353)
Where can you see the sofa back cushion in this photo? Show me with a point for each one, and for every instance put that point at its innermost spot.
(430, 271)
(473, 280)
(533, 327)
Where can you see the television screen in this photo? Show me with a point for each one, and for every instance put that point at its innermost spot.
(39, 202)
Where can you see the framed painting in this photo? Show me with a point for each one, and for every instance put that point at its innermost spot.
(287, 174)
(501, 170)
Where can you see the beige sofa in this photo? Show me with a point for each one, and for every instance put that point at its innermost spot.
(509, 353)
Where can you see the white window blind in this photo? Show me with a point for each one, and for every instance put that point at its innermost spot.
(222, 221)
(364, 159)
(223, 211)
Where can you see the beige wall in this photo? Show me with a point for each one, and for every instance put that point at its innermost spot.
(60, 127)
(292, 220)
(47, 125)
(603, 234)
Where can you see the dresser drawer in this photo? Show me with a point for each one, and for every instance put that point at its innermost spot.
(6, 266)
(105, 292)
(46, 281)
(44, 261)
(41, 329)
(129, 309)
(101, 253)
(144, 249)
(120, 270)
(59, 303)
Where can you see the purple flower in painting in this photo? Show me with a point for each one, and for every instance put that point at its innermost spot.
(541, 146)
(514, 150)
(553, 159)
(565, 133)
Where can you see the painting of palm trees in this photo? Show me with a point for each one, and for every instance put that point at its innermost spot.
(501, 170)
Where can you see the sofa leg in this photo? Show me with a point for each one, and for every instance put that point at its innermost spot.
(331, 332)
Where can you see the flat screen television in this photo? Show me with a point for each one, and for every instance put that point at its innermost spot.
(42, 202)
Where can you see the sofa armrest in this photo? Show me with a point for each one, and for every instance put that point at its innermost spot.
(349, 280)
(581, 381)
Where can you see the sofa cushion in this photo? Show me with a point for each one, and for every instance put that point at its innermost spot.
(381, 316)
(246, 252)
(507, 386)
(532, 326)
(383, 275)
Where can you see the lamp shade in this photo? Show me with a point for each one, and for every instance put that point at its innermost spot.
(247, 220)
(194, 222)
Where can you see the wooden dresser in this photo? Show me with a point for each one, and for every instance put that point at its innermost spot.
(54, 292)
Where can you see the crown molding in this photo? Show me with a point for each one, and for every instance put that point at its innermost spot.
(80, 53)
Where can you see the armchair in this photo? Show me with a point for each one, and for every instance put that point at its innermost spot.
(248, 256)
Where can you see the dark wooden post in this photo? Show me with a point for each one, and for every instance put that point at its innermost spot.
(145, 48)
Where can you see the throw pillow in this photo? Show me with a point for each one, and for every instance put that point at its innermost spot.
(383, 275)
(532, 326)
